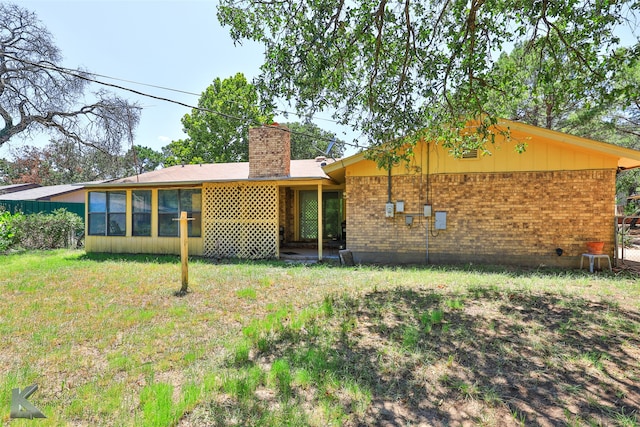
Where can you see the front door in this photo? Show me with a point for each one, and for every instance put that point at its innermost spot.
(332, 213)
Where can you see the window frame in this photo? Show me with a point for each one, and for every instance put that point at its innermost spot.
(144, 213)
(112, 211)
(166, 229)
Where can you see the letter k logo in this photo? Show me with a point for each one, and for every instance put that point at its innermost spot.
(21, 407)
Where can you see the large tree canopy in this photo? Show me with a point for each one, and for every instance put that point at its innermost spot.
(37, 94)
(393, 68)
(218, 129)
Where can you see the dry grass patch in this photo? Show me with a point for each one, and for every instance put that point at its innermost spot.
(108, 343)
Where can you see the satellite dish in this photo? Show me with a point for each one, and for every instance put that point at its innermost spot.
(333, 141)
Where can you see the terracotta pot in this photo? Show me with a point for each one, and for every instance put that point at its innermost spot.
(595, 247)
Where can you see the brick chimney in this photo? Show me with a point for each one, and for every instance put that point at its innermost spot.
(269, 152)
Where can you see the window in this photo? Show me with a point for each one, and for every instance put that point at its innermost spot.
(141, 213)
(107, 213)
(171, 203)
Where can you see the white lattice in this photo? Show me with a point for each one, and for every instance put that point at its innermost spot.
(240, 220)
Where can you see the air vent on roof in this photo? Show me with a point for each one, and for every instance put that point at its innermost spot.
(470, 154)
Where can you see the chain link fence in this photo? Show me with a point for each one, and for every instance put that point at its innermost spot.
(628, 242)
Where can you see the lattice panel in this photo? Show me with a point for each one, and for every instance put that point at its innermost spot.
(222, 239)
(257, 240)
(221, 202)
(309, 219)
(240, 220)
(262, 203)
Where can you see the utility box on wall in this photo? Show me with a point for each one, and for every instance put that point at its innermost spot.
(441, 220)
(389, 210)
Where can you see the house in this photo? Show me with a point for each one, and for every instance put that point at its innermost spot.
(536, 208)
(33, 198)
(246, 210)
(539, 207)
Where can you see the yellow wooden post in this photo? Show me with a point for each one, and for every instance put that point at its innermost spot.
(184, 250)
(320, 237)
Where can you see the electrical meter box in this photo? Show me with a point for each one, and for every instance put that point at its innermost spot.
(427, 210)
(441, 220)
(388, 210)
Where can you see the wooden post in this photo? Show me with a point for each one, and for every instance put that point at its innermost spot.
(320, 237)
(184, 250)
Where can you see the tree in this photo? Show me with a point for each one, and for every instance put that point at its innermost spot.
(393, 69)
(144, 159)
(64, 162)
(309, 141)
(218, 129)
(37, 94)
(532, 87)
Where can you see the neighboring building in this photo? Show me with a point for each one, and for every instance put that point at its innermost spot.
(246, 210)
(536, 208)
(67, 193)
(507, 208)
(6, 189)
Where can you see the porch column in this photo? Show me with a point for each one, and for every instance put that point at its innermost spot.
(320, 222)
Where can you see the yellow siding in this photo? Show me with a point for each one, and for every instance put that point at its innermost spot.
(142, 245)
(541, 155)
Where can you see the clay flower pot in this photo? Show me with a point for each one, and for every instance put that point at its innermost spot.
(595, 248)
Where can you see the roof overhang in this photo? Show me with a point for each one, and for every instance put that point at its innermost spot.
(298, 179)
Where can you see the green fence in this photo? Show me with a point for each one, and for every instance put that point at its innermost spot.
(31, 206)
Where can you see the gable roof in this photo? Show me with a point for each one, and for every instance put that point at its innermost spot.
(216, 172)
(627, 157)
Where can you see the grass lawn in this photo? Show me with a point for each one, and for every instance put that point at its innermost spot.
(108, 343)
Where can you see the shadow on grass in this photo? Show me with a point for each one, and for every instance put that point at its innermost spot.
(138, 258)
(493, 357)
(510, 271)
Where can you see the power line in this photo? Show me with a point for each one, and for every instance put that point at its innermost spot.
(281, 111)
(75, 73)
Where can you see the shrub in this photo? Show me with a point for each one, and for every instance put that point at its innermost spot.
(8, 231)
(48, 231)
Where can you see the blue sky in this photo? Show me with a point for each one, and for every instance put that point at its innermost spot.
(170, 43)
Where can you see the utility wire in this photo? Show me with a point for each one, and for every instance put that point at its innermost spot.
(75, 73)
(72, 72)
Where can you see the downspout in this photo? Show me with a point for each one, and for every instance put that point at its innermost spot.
(428, 219)
(389, 185)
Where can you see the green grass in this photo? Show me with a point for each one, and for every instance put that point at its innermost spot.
(267, 343)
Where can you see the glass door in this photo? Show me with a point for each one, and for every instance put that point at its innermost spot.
(332, 213)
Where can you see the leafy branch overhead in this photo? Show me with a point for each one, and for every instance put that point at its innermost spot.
(394, 68)
(37, 94)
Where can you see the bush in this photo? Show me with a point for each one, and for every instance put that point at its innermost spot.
(8, 230)
(48, 231)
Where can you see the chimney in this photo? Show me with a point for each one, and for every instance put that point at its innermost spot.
(269, 152)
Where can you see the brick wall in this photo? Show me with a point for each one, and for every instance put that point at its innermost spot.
(269, 152)
(518, 218)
